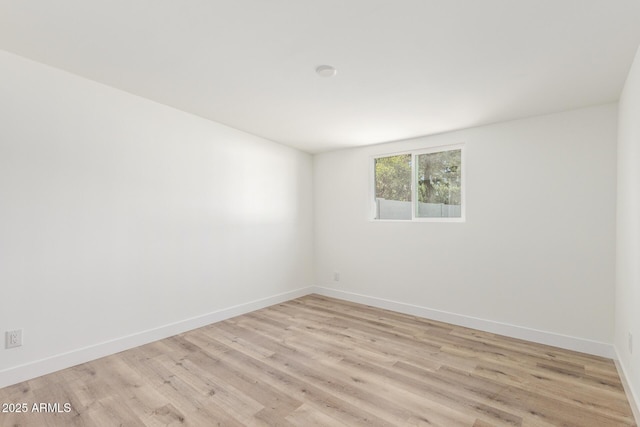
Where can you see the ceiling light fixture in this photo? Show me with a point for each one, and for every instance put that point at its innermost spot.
(326, 71)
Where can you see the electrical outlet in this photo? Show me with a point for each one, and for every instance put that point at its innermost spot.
(336, 276)
(13, 338)
(630, 343)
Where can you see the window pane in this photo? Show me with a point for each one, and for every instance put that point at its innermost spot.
(438, 178)
(393, 187)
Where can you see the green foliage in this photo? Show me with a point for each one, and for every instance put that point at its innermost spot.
(393, 177)
(438, 177)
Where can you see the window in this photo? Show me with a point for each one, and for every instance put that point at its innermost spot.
(420, 185)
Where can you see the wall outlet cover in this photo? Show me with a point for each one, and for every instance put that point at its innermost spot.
(13, 338)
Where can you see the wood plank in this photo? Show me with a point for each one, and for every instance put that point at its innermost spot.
(319, 361)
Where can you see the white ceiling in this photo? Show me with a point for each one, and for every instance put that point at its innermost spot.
(405, 67)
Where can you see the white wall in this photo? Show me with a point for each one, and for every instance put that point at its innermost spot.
(546, 263)
(627, 317)
(119, 215)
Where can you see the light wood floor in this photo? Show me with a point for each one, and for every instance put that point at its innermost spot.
(321, 361)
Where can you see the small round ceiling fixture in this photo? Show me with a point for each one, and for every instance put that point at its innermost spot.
(326, 71)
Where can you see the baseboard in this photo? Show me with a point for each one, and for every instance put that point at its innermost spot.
(55, 363)
(632, 396)
(541, 337)
(35, 369)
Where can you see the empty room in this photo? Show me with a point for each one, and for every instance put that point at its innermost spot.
(320, 213)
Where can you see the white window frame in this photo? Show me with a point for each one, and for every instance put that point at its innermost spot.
(414, 189)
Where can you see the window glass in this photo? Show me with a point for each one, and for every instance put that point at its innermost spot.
(419, 185)
(438, 179)
(393, 187)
